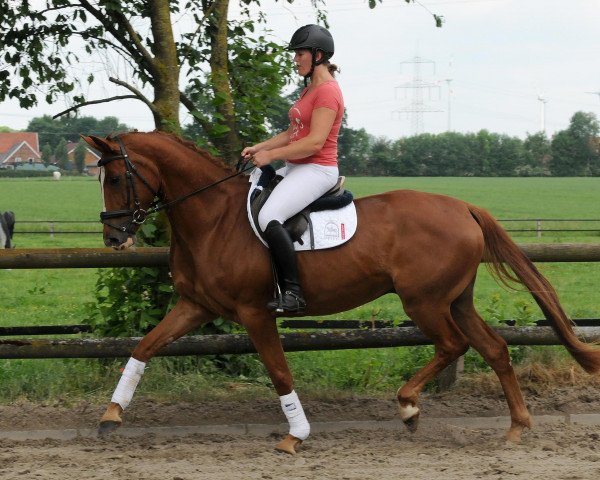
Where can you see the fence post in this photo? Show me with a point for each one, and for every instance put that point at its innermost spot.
(538, 227)
(450, 374)
(51, 229)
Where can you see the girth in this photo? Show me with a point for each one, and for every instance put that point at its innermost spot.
(336, 198)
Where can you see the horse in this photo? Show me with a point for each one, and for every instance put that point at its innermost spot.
(7, 229)
(424, 247)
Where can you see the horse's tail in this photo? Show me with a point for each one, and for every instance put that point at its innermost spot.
(500, 252)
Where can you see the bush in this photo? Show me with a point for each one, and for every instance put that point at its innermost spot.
(10, 173)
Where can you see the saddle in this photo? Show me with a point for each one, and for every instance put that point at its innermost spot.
(336, 198)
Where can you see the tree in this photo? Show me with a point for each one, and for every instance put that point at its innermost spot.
(47, 154)
(224, 63)
(61, 155)
(574, 150)
(52, 130)
(536, 155)
(212, 53)
(354, 148)
(381, 160)
(79, 156)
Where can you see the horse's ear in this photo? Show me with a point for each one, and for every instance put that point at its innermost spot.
(101, 144)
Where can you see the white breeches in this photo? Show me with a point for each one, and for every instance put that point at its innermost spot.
(301, 185)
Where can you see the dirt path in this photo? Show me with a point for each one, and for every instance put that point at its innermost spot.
(438, 450)
(435, 452)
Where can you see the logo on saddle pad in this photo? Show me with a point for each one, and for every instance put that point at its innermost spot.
(310, 230)
(333, 231)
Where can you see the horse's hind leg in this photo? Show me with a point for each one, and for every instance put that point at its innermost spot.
(494, 351)
(435, 322)
(184, 317)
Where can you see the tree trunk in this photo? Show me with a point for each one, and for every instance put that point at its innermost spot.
(166, 69)
(229, 142)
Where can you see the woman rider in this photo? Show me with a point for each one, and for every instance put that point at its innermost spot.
(309, 148)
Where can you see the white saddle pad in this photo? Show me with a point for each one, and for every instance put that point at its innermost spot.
(330, 228)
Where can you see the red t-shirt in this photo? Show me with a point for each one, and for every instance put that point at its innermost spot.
(327, 95)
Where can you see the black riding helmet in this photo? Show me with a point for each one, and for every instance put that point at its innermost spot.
(313, 38)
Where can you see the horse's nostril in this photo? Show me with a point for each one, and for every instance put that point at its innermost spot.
(112, 242)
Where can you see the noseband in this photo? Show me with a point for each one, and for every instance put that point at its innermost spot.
(138, 215)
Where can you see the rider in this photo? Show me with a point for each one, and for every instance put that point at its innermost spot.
(309, 148)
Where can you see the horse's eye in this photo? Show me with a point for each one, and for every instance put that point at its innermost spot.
(114, 180)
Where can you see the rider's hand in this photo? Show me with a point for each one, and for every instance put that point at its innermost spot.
(248, 152)
(262, 158)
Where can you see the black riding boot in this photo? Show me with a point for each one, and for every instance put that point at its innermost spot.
(284, 255)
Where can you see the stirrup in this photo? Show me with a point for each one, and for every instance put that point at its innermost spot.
(289, 302)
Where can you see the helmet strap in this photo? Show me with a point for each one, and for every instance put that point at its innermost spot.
(314, 63)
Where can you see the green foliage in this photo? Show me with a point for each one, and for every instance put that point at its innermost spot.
(47, 154)
(354, 148)
(79, 156)
(259, 69)
(575, 151)
(23, 173)
(51, 131)
(61, 155)
(131, 301)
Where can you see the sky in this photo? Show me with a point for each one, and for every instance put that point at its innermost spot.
(513, 67)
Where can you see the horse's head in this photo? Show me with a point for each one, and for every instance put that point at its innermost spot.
(129, 183)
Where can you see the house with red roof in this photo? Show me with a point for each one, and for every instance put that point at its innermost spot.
(19, 148)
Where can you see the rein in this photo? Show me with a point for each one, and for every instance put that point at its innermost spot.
(138, 214)
(161, 206)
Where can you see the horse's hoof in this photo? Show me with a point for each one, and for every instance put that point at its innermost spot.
(288, 445)
(412, 423)
(107, 426)
(410, 416)
(514, 434)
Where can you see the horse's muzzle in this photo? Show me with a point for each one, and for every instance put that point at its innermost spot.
(118, 239)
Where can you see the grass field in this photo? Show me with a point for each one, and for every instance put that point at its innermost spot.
(45, 297)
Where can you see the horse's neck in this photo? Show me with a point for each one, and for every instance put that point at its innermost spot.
(216, 204)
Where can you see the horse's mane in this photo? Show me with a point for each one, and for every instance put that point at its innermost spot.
(192, 146)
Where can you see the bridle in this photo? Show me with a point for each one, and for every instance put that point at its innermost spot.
(137, 213)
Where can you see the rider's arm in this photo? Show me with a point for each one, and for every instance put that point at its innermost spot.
(321, 122)
(277, 141)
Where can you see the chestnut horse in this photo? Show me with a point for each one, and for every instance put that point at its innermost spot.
(424, 247)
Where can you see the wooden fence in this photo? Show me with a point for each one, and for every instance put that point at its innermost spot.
(536, 226)
(159, 256)
(231, 344)
(239, 344)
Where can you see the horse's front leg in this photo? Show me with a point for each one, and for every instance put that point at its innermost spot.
(184, 317)
(262, 329)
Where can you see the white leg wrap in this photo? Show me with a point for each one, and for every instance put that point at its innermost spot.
(291, 406)
(129, 380)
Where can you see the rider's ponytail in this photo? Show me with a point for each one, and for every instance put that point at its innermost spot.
(333, 68)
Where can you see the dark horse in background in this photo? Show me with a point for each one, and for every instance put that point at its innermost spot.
(424, 247)
(7, 229)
